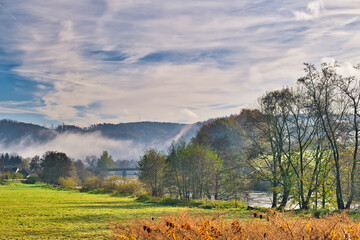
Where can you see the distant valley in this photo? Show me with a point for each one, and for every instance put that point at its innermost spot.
(123, 140)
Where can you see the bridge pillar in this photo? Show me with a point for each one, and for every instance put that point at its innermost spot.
(124, 173)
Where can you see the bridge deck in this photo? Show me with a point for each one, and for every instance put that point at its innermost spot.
(121, 169)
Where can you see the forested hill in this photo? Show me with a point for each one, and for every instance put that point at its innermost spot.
(226, 135)
(143, 132)
(14, 132)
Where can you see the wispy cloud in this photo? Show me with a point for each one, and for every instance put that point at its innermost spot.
(313, 10)
(190, 113)
(108, 61)
(16, 107)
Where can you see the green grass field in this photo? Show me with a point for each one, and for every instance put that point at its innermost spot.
(39, 212)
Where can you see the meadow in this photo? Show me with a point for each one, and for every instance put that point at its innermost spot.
(40, 212)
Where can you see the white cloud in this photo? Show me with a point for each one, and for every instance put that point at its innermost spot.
(328, 60)
(190, 113)
(226, 52)
(66, 33)
(313, 11)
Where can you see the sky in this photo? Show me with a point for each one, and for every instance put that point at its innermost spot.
(94, 61)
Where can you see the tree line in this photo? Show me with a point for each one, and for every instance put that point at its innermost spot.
(55, 165)
(188, 171)
(301, 141)
(305, 139)
(9, 160)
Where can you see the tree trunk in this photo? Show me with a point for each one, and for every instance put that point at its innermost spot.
(352, 188)
(274, 200)
(353, 170)
(323, 196)
(285, 197)
(339, 199)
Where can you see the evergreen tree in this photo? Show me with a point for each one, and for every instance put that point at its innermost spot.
(105, 161)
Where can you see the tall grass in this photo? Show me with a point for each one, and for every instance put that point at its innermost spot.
(271, 225)
(116, 185)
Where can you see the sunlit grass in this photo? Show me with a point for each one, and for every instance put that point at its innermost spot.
(33, 212)
(39, 212)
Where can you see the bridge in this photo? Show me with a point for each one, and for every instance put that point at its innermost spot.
(125, 171)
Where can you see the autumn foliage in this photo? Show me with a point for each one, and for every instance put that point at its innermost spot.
(272, 225)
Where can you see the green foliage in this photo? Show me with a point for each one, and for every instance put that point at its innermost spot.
(68, 182)
(151, 166)
(105, 161)
(24, 165)
(3, 182)
(173, 202)
(203, 203)
(55, 165)
(226, 136)
(320, 212)
(11, 175)
(143, 198)
(35, 165)
(10, 159)
(81, 172)
(192, 169)
(31, 180)
(210, 204)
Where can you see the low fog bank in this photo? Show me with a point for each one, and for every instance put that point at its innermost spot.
(80, 145)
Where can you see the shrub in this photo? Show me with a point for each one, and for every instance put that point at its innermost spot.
(206, 204)
(223, 204)
(67, 182)
(11, 175)
(143, 198)
(5, 175)
(31, 180)
(92, 183)
(116, 185)
(123, 186)
(270, 225)
(2, 182)
(18, 176)
(172, 201)
(111, 183)
(320, 212)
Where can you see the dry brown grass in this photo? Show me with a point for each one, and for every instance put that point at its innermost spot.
(272, 225)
